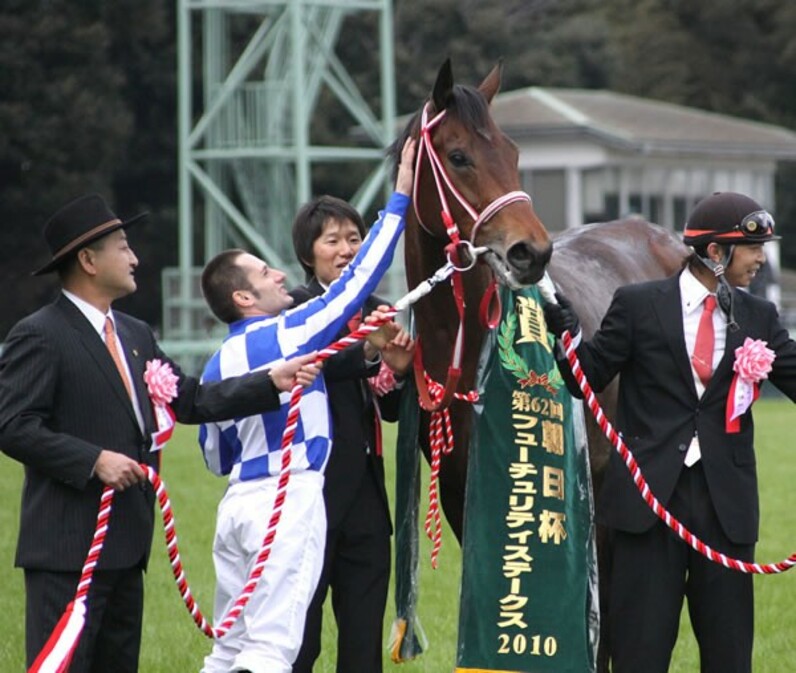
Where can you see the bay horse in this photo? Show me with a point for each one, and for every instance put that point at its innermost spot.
(477, 160)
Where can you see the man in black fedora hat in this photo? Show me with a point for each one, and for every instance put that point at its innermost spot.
(691, 351)
(75, 410)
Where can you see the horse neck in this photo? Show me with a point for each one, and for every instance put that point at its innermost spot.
(436, 315)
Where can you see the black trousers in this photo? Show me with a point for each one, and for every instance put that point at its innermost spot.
(111, 638)
(357, 569)
(654, 571)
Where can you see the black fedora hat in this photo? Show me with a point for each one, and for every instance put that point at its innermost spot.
(77, 224)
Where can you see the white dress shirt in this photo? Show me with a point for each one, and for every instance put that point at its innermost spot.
(692, 296)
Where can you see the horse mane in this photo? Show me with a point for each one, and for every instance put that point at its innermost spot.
(465, 103)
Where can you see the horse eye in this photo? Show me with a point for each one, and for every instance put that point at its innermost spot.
(458, 159)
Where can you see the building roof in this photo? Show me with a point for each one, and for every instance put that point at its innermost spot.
(636, 124)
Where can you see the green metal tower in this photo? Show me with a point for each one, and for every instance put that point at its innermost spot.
(247, 151)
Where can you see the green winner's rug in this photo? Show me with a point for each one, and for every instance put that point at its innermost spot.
(529, 578)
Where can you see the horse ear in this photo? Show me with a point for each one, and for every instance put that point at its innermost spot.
(443, 87)
(491, 84)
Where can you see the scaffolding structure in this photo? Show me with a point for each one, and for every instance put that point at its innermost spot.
(247, 151)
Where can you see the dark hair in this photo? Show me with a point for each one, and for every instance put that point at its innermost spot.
(466, 103)
(220, 278)
(701, 250)
(309, 221)
(70, 263)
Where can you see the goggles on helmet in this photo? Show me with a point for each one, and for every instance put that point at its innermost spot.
(756, 226)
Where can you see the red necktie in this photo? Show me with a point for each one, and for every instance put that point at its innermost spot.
(702, 359)
(110, 342)
(354, 321)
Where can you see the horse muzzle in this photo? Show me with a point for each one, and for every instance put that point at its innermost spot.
(524, 264)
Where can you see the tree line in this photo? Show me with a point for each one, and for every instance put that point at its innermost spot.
(88, 95)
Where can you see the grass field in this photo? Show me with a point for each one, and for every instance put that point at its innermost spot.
(172, 644)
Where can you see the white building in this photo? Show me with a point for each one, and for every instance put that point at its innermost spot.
(589, 155)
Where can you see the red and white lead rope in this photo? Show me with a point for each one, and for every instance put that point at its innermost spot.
(281, 492)
(268, 540)
(57, 653)
(641, 484)
(440, 442)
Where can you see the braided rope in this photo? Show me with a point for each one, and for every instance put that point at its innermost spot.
(276, 514)
(268, 540)
(100, 531)
(57, 652)
(440, 436)
(170, 533)
(641, 484)
(164, 502)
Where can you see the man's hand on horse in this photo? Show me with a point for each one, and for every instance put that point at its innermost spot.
(561, 317)
(406, 169)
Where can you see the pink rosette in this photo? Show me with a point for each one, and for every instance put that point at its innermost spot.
(753, 360)
(752, 364)
(383, 382)
(161, 382)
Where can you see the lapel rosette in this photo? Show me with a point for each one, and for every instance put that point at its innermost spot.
(752, 365)
(383, 382)
(161, 385)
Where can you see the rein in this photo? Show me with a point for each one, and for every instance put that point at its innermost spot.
(548, 292)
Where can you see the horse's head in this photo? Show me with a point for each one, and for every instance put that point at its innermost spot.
(468, 163)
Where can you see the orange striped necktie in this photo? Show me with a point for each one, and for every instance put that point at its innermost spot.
(110, 342)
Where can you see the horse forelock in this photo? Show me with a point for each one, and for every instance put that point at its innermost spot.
(468, 105)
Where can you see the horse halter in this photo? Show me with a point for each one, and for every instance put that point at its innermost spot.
(434, 397)
(442, 179)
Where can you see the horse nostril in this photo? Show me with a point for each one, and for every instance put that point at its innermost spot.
(524, 255)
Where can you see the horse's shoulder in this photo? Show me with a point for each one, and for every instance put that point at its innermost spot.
(635, 227)
(636, 248)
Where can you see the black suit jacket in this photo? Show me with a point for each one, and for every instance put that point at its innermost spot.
(62, 401)
(353, 427)
(641, 338)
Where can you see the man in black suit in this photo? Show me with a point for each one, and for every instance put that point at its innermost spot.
(674, 398)
(79, 420)
(327, 232)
